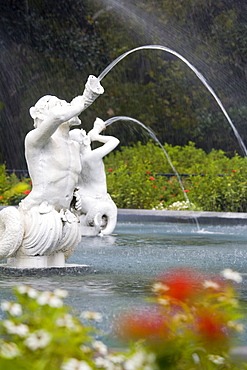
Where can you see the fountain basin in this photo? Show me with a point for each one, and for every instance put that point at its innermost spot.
(120, 268)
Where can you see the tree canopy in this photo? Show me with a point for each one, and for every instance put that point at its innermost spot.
(51, 48)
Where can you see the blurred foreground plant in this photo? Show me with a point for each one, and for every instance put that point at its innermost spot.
(41, 333)
(190, 324)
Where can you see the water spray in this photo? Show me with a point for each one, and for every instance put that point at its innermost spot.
(198, 74)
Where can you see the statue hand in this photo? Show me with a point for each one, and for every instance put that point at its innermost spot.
(75, 121)
(94, 85)
(93, 134)
(99, 125)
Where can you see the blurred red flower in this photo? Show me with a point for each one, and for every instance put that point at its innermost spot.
(212, 327)
(26, 192)
(146, 324)
(151, 178)
(181, 284)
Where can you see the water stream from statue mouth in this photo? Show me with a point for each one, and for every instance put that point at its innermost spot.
(154, 137)
(198, 74)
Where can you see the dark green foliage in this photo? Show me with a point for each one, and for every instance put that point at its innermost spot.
(46, 48)
(50, 47)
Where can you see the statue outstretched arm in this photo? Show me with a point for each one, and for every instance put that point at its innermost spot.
(62, 112)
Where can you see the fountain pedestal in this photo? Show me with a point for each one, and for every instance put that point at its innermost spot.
(22, 261)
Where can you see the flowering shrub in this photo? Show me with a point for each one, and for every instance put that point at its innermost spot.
(12, 190)
(189, 324)
(184, 205)
(213, 182)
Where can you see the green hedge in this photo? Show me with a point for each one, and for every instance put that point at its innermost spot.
(216, 182)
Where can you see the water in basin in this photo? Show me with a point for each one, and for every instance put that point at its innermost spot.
(125, 263)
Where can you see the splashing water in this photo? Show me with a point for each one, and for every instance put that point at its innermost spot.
(153, 136)
(198, 74)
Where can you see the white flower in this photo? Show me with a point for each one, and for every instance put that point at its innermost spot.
(74, 364)
(9, 326)
(218, 360)
(210, 284)
(38, 339)
(236, 326)
(116, 359)
(164, 302)
(61, 293)
(233, 301)
(66, 321)
(160, 287)
(105, 364)
(181, 205)
(13, 309)
(49, 299)
(102, 362)
(21, 329)
(100, 347)
(5, 305)
(31, 292)
(232, 275)
(90, 315)
(85, 349)
(9, 350)
(141, 360)
(196, 358)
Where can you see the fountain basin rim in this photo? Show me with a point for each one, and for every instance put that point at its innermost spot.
(68, 269)
(203, 217)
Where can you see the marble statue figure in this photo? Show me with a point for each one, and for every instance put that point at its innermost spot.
(45, 229)
(98, 212)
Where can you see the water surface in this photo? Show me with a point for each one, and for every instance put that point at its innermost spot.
(124, 264)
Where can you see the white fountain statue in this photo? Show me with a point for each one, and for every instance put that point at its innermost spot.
(45, 229)
(98, 212)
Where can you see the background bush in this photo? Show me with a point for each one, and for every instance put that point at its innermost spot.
(12, 189)
(212, 182)
(135, 179)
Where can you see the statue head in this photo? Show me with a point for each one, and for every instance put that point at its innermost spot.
(43, 106)
(80, 136)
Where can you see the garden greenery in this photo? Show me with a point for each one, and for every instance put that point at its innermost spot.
(12, 189)
(136, 179)
(190, 323)
(211, 182)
